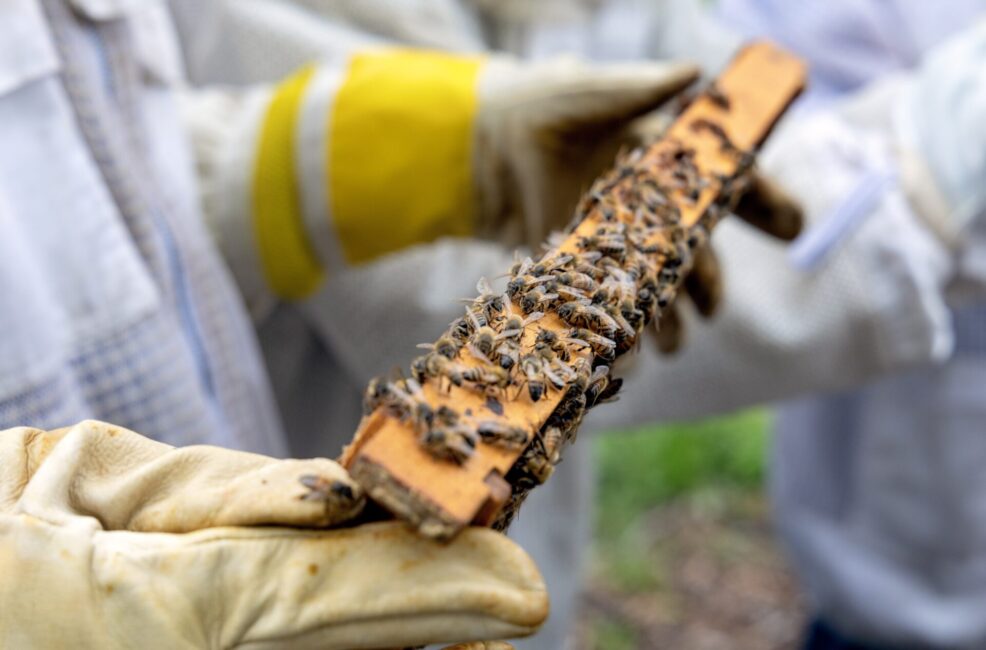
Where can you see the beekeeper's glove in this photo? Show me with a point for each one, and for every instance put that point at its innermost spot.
(912, 146)
(110, 540)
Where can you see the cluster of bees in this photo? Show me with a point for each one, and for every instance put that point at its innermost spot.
(608, 275)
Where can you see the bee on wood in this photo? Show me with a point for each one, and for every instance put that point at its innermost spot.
(435, 366)
(546, 266)
(508, 353)
(460, 330)
(449, 439)
(551, 285)
(598, 389)
(533, 467)
(530, 367)
(568, 414)
(489, 380)
(603, 347)
(551, 441)
(613, 245)
(589, 316)
(446, 346)
(489, 302)
(482, 343)
(514, 326)
(402, 401)
(537, 299)
(502, 434)
(581, 281)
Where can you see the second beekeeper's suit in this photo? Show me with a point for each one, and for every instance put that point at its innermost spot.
(879, 490)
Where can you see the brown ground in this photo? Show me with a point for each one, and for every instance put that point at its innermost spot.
(701, 573)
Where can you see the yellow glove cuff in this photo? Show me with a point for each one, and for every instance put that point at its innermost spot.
(356, 164)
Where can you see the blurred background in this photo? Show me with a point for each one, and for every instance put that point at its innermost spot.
(684, 555)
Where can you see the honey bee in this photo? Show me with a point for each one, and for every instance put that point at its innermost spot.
(537, 299)
(551, 441)
(402, 401)
(449, 443)
(502, 434)
(597, 390)
(482, 343)
(568, 414)
(322, 489)
(446, 346)
(530, 367)
(613, 245)
(577, 280)
(551, 285)
(603, 347)
(488, 380)
(590, 316)
(514, 326)
(448, 438)
(533, 468)
(460, 330)
(489, 302)
(508, 353)
(434, 366)
(546, 266)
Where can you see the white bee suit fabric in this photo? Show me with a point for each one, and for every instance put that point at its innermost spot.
(114, 303)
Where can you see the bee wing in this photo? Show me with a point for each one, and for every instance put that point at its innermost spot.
(565, 370)
(624, 325)
(476, 352)
(413, 386)
(483, 287)
(570, 293)
(555, 380)
(577, 342)
(508, 334)
(600, 371)
(472, 319)
(532, 317)
(426, 346)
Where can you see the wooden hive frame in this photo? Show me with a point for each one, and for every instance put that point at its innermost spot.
(698, 166)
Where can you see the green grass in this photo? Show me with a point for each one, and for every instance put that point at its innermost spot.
(641, 469)
(645, 468)
(612, 636)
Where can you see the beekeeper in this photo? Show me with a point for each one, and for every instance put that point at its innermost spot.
(325, 154)
(541, 130)
(878, 484)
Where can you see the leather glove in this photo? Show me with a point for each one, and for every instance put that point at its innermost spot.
(111, 540)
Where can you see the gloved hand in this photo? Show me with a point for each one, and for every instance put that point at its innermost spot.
(111, 540)
(912, 146)
(337, 167)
